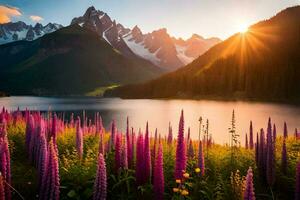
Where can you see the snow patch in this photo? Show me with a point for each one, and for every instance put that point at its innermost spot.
(140, 50)
(181, 54)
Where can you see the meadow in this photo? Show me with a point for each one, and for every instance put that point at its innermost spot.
(45, 156)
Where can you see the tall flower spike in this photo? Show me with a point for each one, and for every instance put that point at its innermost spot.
(158, 177)
(170, 135)
(5, 166)
(284, 158)
(201, 161)
(297, 191)
(270, 156)
(79, 139)
(249, 188)
(285, 131)
(100, 184)
(118, 152)
(139, 171)
(246, 142)
(125, 154)
(251, 144)
(147, 155)
(274, 134)
(2, 189)
(180, 162)
(54, 129)
(50, 189)
(191, 152)
(128, 145)
(112, 136)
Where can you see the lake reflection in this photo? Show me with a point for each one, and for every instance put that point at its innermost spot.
(160, 112)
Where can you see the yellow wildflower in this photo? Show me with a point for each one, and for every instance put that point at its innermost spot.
(197, 170)
(184, 192)
(175, 190)
(186, 175)
(178, 181)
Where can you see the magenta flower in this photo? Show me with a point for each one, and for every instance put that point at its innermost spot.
(50, 189)
(251, 144)
(125, 154)
(139, 171)
(118, 152)
(129, 145)
(54, 129)
(180, 162)
(5, 166)
(2, 187)
(100, 184)
(30, 128)
(158, 182)
(79, 139)
(249, 188)
(112, 136)
(147, 156)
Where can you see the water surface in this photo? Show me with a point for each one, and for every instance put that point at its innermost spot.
(160, 112)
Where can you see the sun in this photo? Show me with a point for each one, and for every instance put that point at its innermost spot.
(243, 28)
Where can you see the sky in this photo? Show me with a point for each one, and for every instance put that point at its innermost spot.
(182, 18)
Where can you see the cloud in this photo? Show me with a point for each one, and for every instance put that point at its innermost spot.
(6, 12)
(36, 18)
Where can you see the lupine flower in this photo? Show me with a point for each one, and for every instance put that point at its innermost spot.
(251, 144)
(180, 162)
(284, 158)
(5, 166)
(112, 136)
(153, 152)
(29, 131)
(188, 138)
(274, 134)
(129, 145)
(101, 144)
(158, 177)
(133, 144)
(125, 154)
(2, 188)
(79, 139)
(246, 141)
(191, 152)
(50, 189)
(270, 166)
(42, 159)
(54, 129)
(118, 152)
(257, 150)
(139, 171)
(170, 135)
(262, 154)
(147, 155)
(285, 131)
(249, 188)
(100, 184)
(201, 161)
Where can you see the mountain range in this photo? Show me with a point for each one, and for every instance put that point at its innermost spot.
(263, 63)
(15, 31)
(158, 47)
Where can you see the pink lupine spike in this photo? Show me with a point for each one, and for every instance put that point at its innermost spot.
(100, 184)
(147, 155)
(118, 152)
(158, 182)
(249, 188)
(79, 139)
(180, 162)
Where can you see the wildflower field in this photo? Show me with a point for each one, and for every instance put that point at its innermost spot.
(45, 156)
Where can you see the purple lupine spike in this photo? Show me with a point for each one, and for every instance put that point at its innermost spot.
(2, 188)
(100, 184)
(262, 153)
(54, 129)
(147, 155)
(51, 179)
(246, 141)
(257, 150)
(5, 166)
(249, 187)
(284, 158)
(29, 131)
(158, 182)
(129, 145)
(297, 191)
(42, 157)
(251, 143)
(285, 131)
(79, 139)
(118, 152)
(201, 161)
(270, 165)
(153, 152)
(180, 162)
(139, 171)
(274, 134)
(112, 136)
(191, 153)
(125, 154)
(170, 135)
